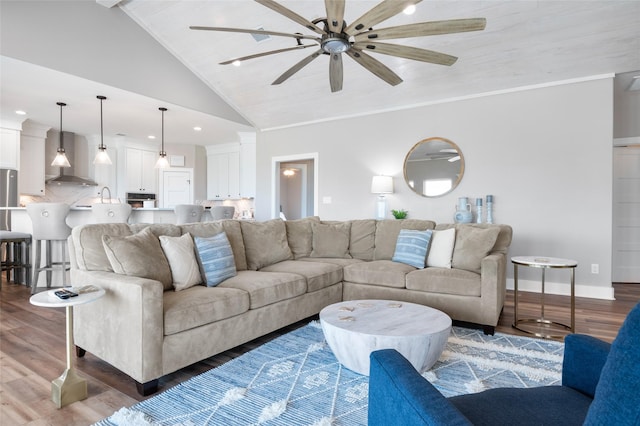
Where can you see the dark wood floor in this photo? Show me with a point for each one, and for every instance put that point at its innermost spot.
(32, 353)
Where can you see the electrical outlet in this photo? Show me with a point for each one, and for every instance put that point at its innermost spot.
(595, 268)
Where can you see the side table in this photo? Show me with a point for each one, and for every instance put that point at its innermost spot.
(543, 263)
(69, 387)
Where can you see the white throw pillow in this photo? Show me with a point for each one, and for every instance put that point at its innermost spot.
(441, 250)
(180, 252)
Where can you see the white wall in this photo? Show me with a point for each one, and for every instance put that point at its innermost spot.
(545, 154)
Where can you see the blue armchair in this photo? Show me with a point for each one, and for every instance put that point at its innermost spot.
(600, 386)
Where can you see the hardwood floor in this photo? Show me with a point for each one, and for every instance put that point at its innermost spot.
(32, 353)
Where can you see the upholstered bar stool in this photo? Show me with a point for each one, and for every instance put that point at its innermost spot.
(222, 212)
(49, 225)
(110, 213)
(16, 248)
(188, 213)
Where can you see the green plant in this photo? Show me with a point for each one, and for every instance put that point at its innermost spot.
(399, 214)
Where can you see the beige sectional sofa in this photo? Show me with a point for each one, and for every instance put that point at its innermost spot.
(284, 272)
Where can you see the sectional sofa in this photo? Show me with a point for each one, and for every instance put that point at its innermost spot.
(157, 316)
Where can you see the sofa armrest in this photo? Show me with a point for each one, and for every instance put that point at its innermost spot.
(399, 395)
(493, 286)
(125, 326)
(584, 357)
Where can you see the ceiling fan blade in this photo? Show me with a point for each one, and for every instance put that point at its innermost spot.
(374, 66)
(408, 52)
(335, 14)
(249, 31)
(277, 7)
(271, 52)
(297, 67)
(424, 29)
(335, 72)
(377, 14)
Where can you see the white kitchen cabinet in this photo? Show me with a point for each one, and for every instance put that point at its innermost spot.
(32, 159)
(10, 148)
(141, 174)
(223, 176)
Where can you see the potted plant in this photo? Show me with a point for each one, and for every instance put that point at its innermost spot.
(399, 214)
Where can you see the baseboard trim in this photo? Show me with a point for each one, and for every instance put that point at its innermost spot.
(564, 289)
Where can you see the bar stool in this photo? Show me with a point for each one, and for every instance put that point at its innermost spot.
(110, 213)
(49, 224)
(188, 213)
(222, 212)
(16, 248)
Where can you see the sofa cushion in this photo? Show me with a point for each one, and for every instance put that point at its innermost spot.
(265, 243)
(300, 236)
(87, 242)
(138, 255)
(441, 250)
(331, 239)
(411, 247)
(319, 275)
(387, 233)
(378, 272)
(265, 288)
(504, 236)
(444, 281)
(201, 305)
(473, 245)
(229, 227)
(333, 260)
(216, 258)
(158, 229)
(181, 255)
(363, 239)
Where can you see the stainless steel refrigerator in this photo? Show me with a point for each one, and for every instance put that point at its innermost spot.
(8, 196)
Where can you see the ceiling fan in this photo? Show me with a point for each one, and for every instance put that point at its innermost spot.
(334, 36)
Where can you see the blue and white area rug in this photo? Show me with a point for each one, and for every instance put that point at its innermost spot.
(296, 380)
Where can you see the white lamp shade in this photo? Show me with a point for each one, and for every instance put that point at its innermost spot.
(102, 157)
(382, 185)
(162, 162)
(60, 160)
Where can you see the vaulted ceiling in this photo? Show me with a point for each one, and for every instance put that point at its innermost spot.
(525, 43)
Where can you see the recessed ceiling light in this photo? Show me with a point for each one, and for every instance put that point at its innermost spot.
(151, 137)
(197, 128)
(20, 112)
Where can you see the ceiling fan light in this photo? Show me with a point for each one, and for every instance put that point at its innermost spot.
(335, 45)
(410, 9)
(236, 63)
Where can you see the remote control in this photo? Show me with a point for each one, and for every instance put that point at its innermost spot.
(65, 294)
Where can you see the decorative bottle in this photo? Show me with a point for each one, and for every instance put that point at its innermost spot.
(478, 210)
(489, 208)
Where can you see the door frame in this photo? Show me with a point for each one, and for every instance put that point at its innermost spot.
(275, 179)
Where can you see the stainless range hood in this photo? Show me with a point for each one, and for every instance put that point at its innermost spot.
(67, 174)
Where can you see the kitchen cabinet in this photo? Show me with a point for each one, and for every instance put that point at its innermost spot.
(32, 159)
(10, 148)
(223, 175)
(141, 174)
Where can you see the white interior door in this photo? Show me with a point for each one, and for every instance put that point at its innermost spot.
(177, 187)
(626, 214)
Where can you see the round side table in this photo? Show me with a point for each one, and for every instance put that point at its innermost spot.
(69, 387)
(543, 263)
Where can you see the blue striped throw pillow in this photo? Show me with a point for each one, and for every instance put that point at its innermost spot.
(412, 247)
(216, 258)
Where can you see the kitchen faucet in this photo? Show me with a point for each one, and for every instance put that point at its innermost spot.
(102, 194)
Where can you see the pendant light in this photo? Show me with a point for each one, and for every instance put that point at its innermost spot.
(61, 158)
(101, 156)
(162, 160)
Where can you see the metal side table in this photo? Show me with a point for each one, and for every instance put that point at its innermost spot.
(69, 387)
(549, 326)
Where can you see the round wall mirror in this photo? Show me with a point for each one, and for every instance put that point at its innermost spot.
(433, 167)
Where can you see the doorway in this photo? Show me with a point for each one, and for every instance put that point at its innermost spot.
(295, 186)
(626, 214)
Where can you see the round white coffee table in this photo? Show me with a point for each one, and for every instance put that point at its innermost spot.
(69, 387)
(354, 329)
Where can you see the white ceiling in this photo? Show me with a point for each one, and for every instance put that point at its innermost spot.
(525, 43)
